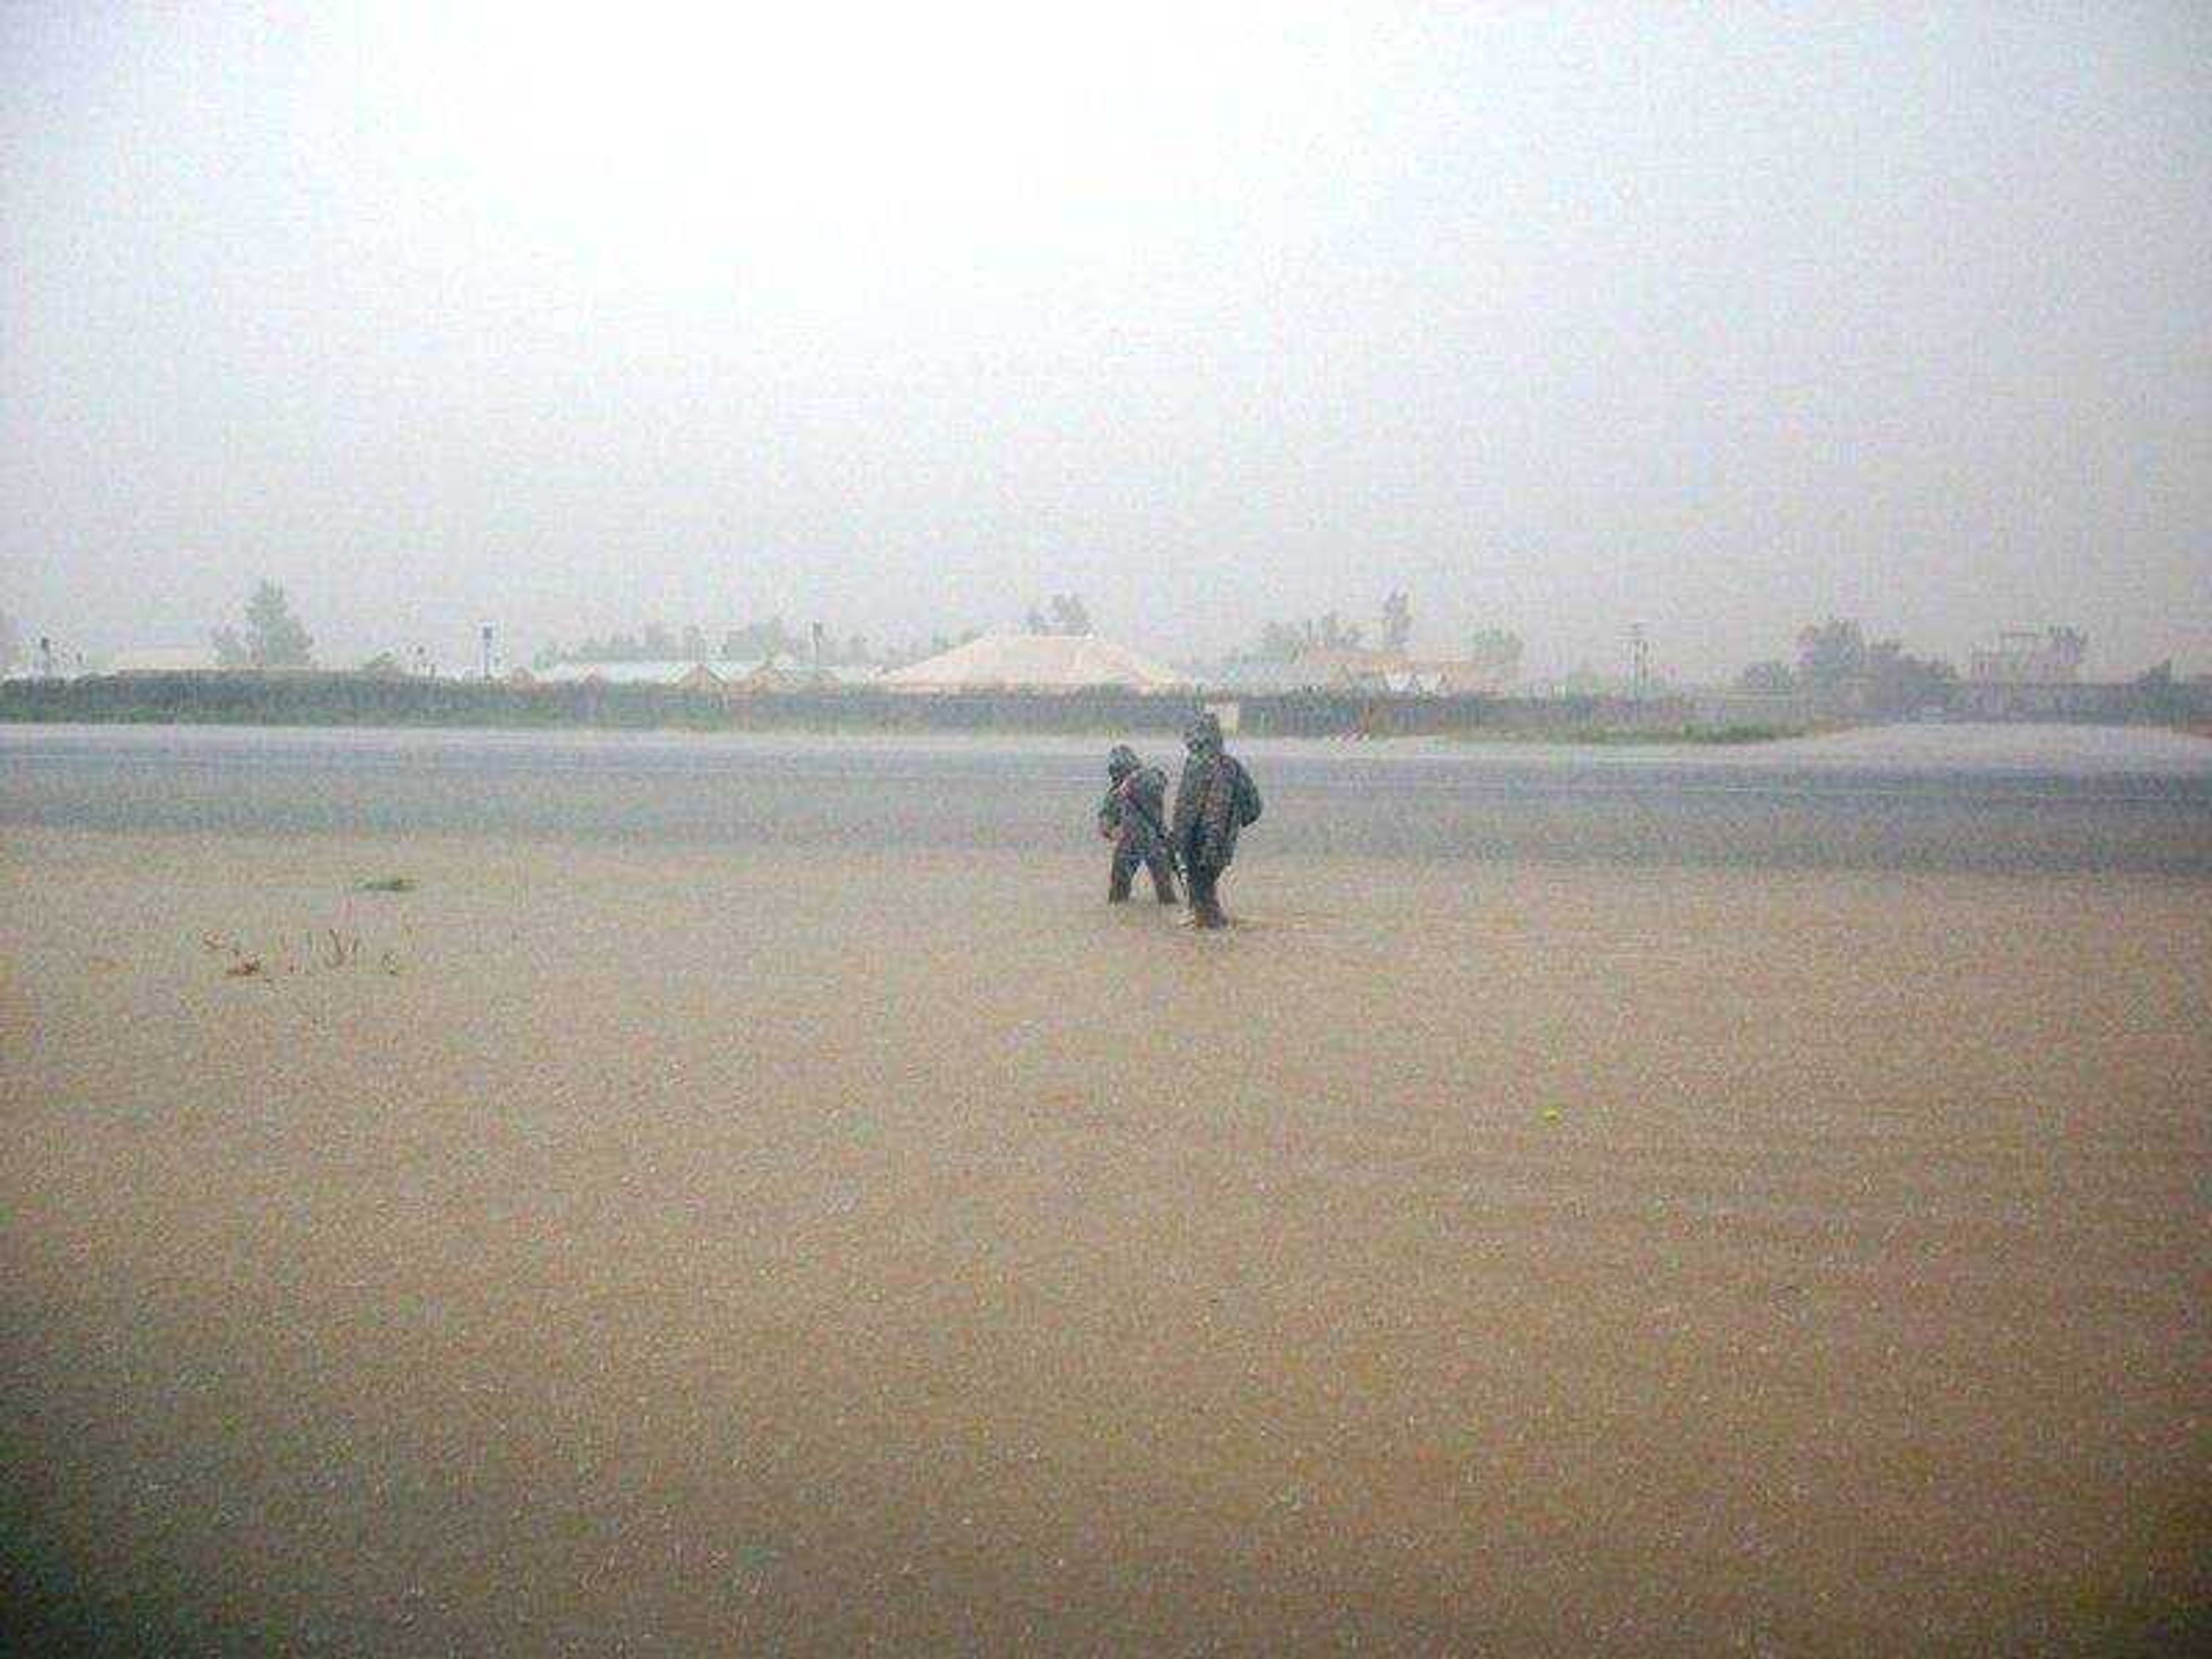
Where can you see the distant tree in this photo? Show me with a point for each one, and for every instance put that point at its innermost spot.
(278, 637)
(11, 643)
(1397, 621)
(1898, 682)
(1288, 641)
(1882, 677)
(1832, 654)
(1499, 647)
(759, 641)
(2156, 694)
(1064, 613)
(695, 643)
(938, 644)
(385, 664)
(615, 648)
(274, 637)
(1771, 679)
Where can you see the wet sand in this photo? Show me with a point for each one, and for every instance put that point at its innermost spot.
(682, 1250)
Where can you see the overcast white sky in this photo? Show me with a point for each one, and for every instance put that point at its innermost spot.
(571, 318)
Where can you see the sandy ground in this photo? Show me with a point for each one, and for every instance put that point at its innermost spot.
(682, 1250)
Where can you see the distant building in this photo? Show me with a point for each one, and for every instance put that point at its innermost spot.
(1484, 675)
(1256, 676)
(2024, 657)
(165, 660)
(1353, 669)
(1348, 668)
(792, 678)
(681, 671)
(716, 674)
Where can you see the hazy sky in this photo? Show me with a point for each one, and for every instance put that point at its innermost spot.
(569, 319)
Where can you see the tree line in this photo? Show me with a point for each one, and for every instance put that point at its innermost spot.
(757, 641)
(1836, 657)
(1287, 641)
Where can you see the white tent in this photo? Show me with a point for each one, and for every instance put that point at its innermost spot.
(1035, 662)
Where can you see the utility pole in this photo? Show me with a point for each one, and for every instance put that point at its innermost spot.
(1639, 657)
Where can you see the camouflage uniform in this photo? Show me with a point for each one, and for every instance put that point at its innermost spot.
(1134, 818)
(1215, 798)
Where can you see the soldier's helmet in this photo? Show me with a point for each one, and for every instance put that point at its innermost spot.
(1121, 762)
(1203, 732)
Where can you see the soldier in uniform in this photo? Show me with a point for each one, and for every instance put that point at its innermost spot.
(1215, 798)
(1134, 817)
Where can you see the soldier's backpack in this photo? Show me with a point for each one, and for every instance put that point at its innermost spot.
(1245, 803)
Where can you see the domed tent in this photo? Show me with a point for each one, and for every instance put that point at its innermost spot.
(1035, 662)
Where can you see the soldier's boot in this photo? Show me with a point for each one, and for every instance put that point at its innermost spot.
(1163, 885)
(1118, 878)
(1205, 907)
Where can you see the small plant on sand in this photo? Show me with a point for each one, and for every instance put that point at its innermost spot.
(316, 952)
(241, 965)
(388, 884)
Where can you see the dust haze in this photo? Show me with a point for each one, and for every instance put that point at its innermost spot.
(570, 1080)
(574, 320)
